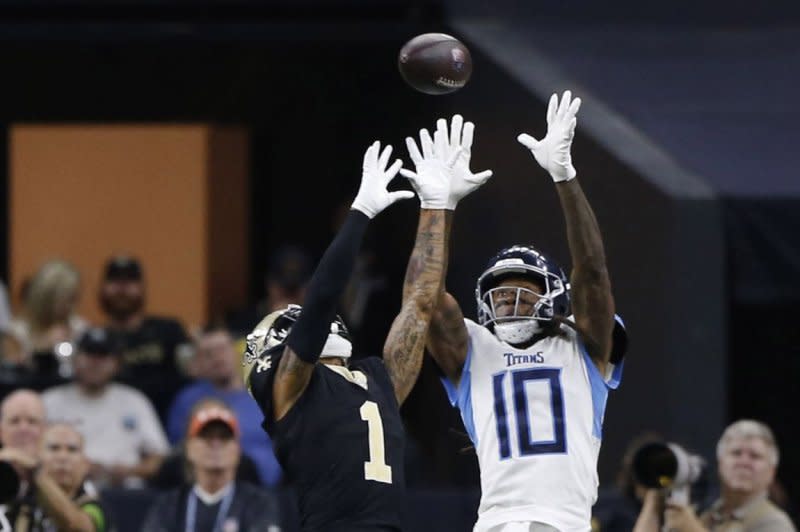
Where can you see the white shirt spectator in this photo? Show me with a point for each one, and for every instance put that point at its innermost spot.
(120, 425)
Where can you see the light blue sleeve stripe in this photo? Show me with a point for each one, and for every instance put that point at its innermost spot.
(599, 393)
(461, 396)
(616, 375)
(598, 382)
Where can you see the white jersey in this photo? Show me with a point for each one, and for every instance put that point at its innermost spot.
(535, 417)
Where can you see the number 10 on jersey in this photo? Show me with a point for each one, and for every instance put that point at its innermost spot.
(522, 409)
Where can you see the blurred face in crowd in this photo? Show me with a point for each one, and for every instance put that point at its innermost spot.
(94, 371)
(62, 456)
(65, 304)
(745, 466)
(214, 449)
(122, 298)
(217, 356)
(22, 421)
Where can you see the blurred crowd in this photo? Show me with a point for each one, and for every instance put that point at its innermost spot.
(137, 402)
(128, 389)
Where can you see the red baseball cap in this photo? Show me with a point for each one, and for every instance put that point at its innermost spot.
(210, 414)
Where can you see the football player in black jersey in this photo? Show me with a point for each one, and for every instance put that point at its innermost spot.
(335, 425)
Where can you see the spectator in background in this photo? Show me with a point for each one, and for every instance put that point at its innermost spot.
(215, 500)
(49, 318)
(174, 472)
(124, 439)
(60, 499)
(21, 427)
(747, 457)
(16, 364)
(22, 421)
(218, 363)
(150, 344)
(285, 283)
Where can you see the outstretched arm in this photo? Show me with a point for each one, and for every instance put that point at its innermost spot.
(307, 337)
(447, 337)
(592, 301)
(404, 346)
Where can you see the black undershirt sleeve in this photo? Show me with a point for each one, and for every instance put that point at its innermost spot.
(309, 334)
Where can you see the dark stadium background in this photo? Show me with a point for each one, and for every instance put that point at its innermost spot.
(701, 232)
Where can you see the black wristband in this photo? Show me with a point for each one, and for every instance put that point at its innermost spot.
(308, 335)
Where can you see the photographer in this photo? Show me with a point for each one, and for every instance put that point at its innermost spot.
(58, 499)
(747, 456)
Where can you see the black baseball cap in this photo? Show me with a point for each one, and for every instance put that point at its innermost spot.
(97, 341)
(123, 268)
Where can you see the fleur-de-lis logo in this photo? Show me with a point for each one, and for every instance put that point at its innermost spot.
(263, 364)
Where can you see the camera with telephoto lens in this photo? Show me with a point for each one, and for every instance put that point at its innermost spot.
(9, 483)
(669, 467)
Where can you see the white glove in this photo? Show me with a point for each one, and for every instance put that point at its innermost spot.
(552, 152)
(460, 140)
(372, 195)
(434, 168)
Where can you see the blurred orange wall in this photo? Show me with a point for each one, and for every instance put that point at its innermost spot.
(83, 192)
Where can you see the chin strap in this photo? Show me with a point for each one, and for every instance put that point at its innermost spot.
(517, 332)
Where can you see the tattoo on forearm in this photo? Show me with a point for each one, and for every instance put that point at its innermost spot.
(424, 277)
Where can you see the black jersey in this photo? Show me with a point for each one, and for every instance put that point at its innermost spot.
(341, 445)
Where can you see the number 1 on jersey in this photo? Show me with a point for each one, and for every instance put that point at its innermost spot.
(375, 468)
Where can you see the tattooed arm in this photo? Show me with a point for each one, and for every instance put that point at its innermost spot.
(404, 346)
(448, 339)
(443, 179)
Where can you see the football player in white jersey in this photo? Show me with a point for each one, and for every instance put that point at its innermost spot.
(531, 378)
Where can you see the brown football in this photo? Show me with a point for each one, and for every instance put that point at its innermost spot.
(435, 63)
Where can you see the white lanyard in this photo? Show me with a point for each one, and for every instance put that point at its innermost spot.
(191, 510)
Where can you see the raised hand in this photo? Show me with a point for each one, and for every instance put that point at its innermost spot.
(372, 197)
(553, 151)
(434, 169)
(459, 142)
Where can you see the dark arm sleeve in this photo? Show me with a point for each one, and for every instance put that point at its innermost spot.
(308, 335)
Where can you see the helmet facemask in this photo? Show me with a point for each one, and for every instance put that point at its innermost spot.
(516, 314)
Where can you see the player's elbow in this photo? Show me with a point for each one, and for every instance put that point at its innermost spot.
(423, 302)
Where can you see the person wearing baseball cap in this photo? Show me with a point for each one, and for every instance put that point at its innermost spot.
(124, 438)
(216, 500)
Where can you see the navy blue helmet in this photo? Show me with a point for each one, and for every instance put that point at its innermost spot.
(551, 299)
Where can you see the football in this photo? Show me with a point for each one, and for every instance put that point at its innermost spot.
(435, 63)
